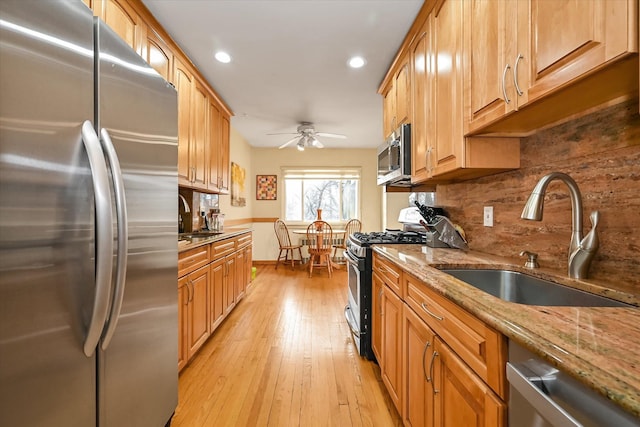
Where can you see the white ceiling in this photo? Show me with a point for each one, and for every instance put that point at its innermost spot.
(289, 61)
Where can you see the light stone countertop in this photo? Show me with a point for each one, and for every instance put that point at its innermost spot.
(600, 346)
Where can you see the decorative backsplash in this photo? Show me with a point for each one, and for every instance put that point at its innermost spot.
(601, 152)
(198, 203)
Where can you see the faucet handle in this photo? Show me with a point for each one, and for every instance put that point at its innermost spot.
(532, 259)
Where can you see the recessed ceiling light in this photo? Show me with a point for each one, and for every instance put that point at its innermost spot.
(223, 57)
(357, 62)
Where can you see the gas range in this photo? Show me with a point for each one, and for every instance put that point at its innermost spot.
(358, 243)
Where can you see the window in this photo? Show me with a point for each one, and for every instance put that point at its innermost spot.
(335, 191)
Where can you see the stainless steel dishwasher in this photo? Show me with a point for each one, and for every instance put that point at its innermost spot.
(542, 396)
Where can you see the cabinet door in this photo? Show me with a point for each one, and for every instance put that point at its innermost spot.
(422, 78)
(241, 283)
(223, 165)
(490, 45)
(158, 55)
(418, 353)
(447, 26)
(215, 146)
(388, 110)
(566, 39)
(229, 283)
(184, 294)
(403, 97)
(392, 345)
(248, 262)
(122, 19)
(197, 309)
(461, 398)
(200, 138)
(183, 81)
(376, 318)
(216, 295)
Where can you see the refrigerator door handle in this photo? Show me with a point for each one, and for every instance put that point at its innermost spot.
(123, 237)
(103, 239)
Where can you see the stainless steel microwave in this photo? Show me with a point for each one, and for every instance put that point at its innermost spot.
(394, 158)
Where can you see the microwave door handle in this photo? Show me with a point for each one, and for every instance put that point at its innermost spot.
(103, 238)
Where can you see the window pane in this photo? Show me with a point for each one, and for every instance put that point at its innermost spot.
(293, 199)
(349, 199)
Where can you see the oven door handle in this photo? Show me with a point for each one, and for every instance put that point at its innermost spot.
(350, 258)
(347, 315)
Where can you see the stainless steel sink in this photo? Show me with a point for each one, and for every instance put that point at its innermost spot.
(520, 288)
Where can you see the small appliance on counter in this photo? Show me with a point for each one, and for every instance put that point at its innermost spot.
(440, 231)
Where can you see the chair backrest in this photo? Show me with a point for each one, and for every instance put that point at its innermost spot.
(353, 226)
(282, 233)
(320, 236)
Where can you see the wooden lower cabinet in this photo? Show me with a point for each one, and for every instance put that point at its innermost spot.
(417, 359)
(208, 291)
(391, 367)
(193, 291)
(460, 397)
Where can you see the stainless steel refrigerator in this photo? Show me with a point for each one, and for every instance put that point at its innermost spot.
(88, 229)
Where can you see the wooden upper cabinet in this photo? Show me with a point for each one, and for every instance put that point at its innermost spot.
(402, 86)
(388, 110)
(215, 157)
(448, 30)
(546, 60)
(200, 136)
(564, 40)
(422, 132)
(123, 19)
(184, 81)
(490, 53)
(158, 55)
(225, 159)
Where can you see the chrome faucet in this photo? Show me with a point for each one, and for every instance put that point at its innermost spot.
(581, 250)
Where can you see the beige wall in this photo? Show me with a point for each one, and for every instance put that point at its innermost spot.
(269, 161)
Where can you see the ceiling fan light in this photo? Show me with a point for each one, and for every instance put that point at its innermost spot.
(314, 141)
(301, 143)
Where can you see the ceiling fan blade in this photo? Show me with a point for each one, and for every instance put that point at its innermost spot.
(289, 142)
(287, 133)
(331, 135)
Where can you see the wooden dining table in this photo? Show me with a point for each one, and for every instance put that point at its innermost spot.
(338, 238)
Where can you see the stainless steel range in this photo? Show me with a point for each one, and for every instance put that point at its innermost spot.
(359, 263)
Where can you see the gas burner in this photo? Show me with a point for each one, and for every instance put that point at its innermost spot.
(389, 237)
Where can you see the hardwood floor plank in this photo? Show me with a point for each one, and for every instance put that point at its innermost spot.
(284, 357)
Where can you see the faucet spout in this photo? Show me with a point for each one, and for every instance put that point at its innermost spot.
(581, 251)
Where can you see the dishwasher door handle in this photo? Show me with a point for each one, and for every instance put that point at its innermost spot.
(542, 403)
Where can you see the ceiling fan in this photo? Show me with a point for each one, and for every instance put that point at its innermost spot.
(306, 136)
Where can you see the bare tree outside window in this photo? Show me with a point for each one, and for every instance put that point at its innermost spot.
(338, 198)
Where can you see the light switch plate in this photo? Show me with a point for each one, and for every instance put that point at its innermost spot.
(488, 216)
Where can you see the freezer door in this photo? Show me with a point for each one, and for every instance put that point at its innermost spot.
(138, 373)
(46, 214)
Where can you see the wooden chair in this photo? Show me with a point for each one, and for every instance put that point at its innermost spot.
(353, 226)
(284, 240)
(320, 238)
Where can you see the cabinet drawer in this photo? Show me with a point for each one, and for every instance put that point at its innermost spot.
(389, 273)
(192, 259)
(244, 240)
(222, 248)
(478, 345)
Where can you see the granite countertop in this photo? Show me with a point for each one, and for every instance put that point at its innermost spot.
(600, 346)
(185, 244)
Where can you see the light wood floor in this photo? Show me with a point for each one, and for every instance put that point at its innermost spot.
(284, 357)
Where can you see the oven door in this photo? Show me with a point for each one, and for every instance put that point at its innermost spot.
(352, 309)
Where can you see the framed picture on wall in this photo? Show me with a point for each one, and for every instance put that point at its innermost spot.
(266, 187)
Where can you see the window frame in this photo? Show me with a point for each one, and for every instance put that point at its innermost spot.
(318, 172)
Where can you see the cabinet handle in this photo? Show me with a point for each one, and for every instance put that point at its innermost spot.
(433, 386)
(504, 85)
(424, 357)
(191, 292)
(515, 74)
(430, 313)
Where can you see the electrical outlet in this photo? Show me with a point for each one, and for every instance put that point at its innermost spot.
(488, 216)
